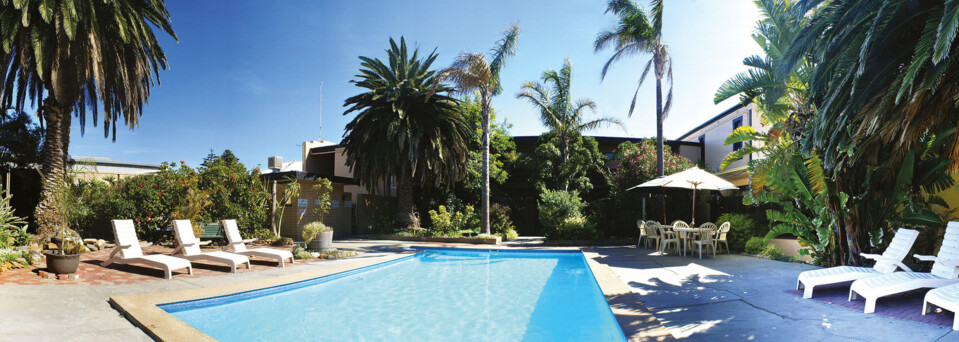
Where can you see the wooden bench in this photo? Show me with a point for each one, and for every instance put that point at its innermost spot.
(211, 231)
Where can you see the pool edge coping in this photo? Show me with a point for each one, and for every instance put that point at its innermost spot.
(634, 319)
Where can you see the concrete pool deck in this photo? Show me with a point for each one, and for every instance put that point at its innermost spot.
(739, 298)
(732, 297)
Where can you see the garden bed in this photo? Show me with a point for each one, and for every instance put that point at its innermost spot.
(473, 240)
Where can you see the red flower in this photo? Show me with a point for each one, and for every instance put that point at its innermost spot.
(141, 185)
(149, 215)
(138, 221)
(148, 219)
(156, 186)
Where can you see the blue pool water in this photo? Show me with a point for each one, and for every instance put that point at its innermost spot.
(434, 295)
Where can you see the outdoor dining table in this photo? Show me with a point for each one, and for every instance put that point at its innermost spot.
(685, 233)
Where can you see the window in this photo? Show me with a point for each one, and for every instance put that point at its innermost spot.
(610, 155)
(737, 122)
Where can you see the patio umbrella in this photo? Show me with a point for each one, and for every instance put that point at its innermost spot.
(694, 178)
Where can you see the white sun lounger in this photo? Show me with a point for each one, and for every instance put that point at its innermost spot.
(888, 262)
(238, 246)
(944, 272)
(947, 298)
(128, 251)
(187, 244)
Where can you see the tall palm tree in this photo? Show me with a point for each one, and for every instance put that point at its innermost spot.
(73, 56)
(404, 127)
(640, 33)
(557, 110)
(471, 72)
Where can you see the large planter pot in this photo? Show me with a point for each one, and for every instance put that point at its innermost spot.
(62, 263)
(323, 242)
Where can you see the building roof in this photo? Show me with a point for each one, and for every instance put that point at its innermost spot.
(327, 148)
(714, 119)
(295, 165)
(605, 140)
(104, 161)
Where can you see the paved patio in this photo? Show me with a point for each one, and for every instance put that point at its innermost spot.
(738, 298)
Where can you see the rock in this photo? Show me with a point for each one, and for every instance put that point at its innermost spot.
(101, 243)
(23, 262)
(109, 245)
(51, 245)
(36, 256)
(89, 241)
(145, 244)
(23, 248)
(315, 254)
(93, 247)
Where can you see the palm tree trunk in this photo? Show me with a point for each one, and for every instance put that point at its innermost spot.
(484, 220)
(404, 201)
(65, 142)
(563, 157)
(47, 214)
(659, 139)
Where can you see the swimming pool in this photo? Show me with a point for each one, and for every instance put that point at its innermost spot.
(434, 295)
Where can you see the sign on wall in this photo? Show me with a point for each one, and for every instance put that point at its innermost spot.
(302, 202)
(301, 212)
(347, 204)
(335, 203)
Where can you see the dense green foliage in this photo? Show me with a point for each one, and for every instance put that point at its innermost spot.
(13, 229)
(452, 223)
(548, 169)
(742, 227)
(154, 201)
(637, 164)
(561, 215)
(755, 245)
(500, 222)
(404, 128)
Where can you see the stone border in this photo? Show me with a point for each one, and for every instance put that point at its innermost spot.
(142, 310)
(473, 240)
(636, 321)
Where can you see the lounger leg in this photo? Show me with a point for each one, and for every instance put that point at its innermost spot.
(168, 272)
(852, 295)
(925, 307)
(807, 293)
(190, 269)
(955, 323)
(249, 265)
(870, 305)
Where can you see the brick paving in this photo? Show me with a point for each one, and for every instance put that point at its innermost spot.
(91, 273)
(907, 306)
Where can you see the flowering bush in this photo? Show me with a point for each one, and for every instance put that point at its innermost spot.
(637, 163)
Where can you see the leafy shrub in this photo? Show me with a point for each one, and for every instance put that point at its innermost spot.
(448, 223)
(555, 206)
(301, 253)
(574, 228)
(741, 228)
(500, 223)
(13, 229)
(637, 163)
(755, 245)
(773, 252)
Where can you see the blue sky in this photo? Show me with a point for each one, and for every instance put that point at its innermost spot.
(247, 75)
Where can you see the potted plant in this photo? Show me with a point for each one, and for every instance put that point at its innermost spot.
(66, 258)
(318, 236)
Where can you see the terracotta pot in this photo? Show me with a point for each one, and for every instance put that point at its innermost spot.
(323, 241)
(62, 263)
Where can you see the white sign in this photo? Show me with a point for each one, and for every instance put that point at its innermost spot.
(302, 202)
(335, 203)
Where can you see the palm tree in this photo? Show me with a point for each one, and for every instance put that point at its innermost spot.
(638, 33)
(404, 128)
(75, 56)
(470, 72)
(557, 110)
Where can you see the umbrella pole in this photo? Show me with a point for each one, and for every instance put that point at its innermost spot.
(694, 205)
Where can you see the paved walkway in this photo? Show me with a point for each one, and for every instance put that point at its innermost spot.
(739, 298)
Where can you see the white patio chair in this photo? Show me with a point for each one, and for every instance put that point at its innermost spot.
(652, 233)
(128, 251)
(721, 235)
(706, 238)
(945, 271)
(667, 237)
(642, 232)
(238, 245)
(888, 262)
(187, 244)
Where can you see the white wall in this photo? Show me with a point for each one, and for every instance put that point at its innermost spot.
(717, 132)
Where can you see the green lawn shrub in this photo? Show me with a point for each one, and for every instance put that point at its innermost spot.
(742, 227)
(755, 245)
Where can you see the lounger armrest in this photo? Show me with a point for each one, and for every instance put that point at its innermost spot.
(249, 240)
(879, 258)
(124, 246)
(925, 257)
(236, 243)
